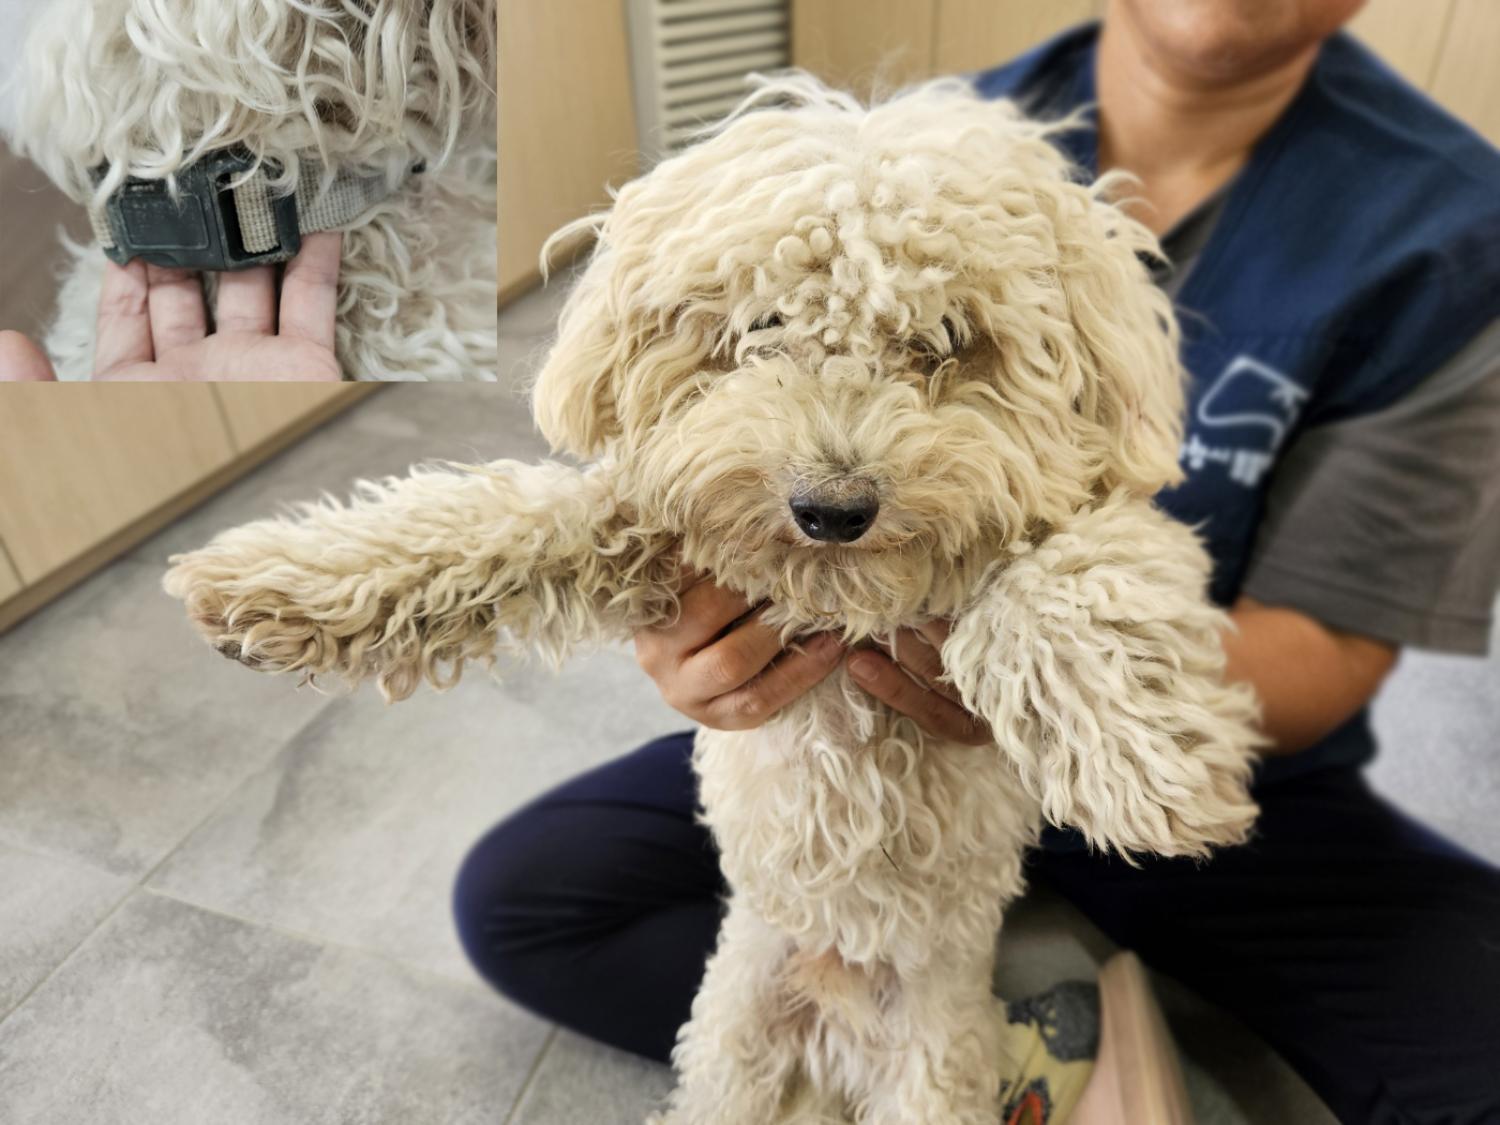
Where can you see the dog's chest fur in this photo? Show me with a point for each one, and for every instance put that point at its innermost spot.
(848, 828)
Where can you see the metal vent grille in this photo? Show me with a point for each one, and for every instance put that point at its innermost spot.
(689, 59)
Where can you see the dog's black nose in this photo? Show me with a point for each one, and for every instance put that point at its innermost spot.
(834, 522)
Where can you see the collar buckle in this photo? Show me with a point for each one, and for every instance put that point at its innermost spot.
(200, 230)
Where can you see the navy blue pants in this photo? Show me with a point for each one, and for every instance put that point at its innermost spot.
(1362, 947)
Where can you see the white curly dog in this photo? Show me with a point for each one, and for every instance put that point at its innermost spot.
(313, 90)
(871, 367)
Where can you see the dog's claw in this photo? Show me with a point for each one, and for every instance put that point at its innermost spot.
(233, 650)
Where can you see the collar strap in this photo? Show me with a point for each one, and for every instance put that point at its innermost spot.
(225, 216)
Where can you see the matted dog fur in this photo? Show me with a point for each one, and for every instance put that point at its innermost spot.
(916, 297)
(148, 86)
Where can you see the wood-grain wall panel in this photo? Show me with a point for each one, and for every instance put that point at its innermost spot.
(977, 34)
(567, 123)
(257, 411)
(79, 462)
(864, 44)
(87, 484)
(1467, 80)
(10, 581)
(1405, 34)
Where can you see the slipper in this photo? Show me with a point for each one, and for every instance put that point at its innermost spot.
(1136, 1077)
(1093, 1054)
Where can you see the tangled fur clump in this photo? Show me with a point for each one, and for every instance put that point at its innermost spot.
(916, 304)
(146, 87)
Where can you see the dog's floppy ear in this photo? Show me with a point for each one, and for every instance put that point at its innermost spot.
(1131, 398)
(624, 347)
(573, 397)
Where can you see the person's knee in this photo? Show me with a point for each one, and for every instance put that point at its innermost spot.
(564, 883)
(498, 886)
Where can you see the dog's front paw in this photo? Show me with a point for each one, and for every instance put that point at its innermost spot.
(1099, 663)
(1202, 794)
(1155, 764)
(1160, 773)
(247, 618)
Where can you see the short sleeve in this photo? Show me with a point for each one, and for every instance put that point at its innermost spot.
(1388, 524)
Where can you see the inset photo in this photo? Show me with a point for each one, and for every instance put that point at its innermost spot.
(248, 190)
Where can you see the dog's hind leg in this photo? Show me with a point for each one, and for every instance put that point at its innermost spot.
(418, 575)
(738, 1058)
(940, 1056)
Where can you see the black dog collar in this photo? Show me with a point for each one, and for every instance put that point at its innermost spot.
(224, 216)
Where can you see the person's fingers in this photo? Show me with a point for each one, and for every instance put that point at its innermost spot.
(687, 576)
(917, 656)
(247, 302)
(310, 289)
(21, 361)
(793, 674)
(704, 611)
(920, 652)
(730, 662)
(123, 335)
(179, 315)
(879, 675)
(936, 632)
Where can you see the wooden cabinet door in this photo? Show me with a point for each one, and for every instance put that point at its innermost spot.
(567, 123)
(256, 412)
(979, 34)
(81, 462)
(10, 581)
(1406, 35)
(864, 44)
(1467, 81)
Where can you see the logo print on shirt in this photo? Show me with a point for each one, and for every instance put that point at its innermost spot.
(1250, 407)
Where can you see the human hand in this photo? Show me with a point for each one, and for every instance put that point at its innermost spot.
(912, 684)
(722, 667)
(21, 361)
(153, 325)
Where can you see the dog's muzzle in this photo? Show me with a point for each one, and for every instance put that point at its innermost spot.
(224, 216)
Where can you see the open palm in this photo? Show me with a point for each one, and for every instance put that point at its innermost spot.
(153, 324)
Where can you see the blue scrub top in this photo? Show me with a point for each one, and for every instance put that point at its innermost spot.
(1356, 252)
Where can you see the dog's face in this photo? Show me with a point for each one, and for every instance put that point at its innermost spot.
(848, 354)
(146, 86)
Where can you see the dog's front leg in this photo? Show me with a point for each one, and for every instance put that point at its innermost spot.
(1097, 659)
(415, 576)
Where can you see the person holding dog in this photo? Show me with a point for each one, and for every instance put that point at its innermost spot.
(1333, 242)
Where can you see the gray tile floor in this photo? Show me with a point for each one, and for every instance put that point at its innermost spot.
(225, 900)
